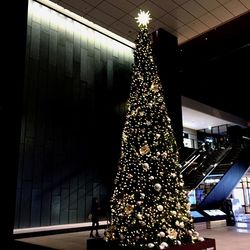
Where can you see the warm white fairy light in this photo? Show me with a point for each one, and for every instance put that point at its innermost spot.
(149, 206)
(143, 18)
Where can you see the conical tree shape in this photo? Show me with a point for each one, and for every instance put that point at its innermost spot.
(149, 206)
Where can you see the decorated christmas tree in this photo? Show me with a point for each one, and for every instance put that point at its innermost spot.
(149, 206)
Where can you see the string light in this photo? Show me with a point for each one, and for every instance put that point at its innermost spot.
(149, 206)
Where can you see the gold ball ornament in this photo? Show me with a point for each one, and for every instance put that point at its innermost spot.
(144, 150)
(151, 245)
(163, 245)
(160, 208)
(157, 186)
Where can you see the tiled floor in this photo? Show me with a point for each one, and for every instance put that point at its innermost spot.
(227, 238)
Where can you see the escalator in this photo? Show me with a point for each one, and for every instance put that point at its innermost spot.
(214, 172)
(191, 160)
(228, 173)
(200, 164)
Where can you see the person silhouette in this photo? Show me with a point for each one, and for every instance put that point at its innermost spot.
(95, 211)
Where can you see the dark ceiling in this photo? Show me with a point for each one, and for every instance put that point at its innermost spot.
(214, 67)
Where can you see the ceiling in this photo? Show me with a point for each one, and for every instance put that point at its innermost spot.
(197, 120)
(197, 116)
(185, 19)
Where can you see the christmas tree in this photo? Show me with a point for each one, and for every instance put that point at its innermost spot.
(149, 206)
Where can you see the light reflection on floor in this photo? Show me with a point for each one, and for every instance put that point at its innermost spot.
(243, 227)
(240, 230)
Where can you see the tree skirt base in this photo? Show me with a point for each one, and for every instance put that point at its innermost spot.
(100, 244)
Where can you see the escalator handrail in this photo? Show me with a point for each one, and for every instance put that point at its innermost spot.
(212, 166)
(188, 161)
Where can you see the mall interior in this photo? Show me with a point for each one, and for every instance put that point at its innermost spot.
(63, 108)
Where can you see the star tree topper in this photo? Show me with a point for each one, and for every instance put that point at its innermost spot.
(143, 18)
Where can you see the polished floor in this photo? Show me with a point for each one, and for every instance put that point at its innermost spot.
(227, 238)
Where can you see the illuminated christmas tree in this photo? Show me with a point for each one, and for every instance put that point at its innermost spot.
(149, 206)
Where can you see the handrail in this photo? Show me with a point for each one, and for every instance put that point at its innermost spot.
(189, 160)
(213, 165)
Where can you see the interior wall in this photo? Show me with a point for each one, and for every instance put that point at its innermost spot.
(76, 86)
(11, 88)
(190, 138)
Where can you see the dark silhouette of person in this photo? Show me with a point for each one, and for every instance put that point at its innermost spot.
(95, 211)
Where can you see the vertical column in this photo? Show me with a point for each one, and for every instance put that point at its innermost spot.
(165, 48)
(13, 58)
